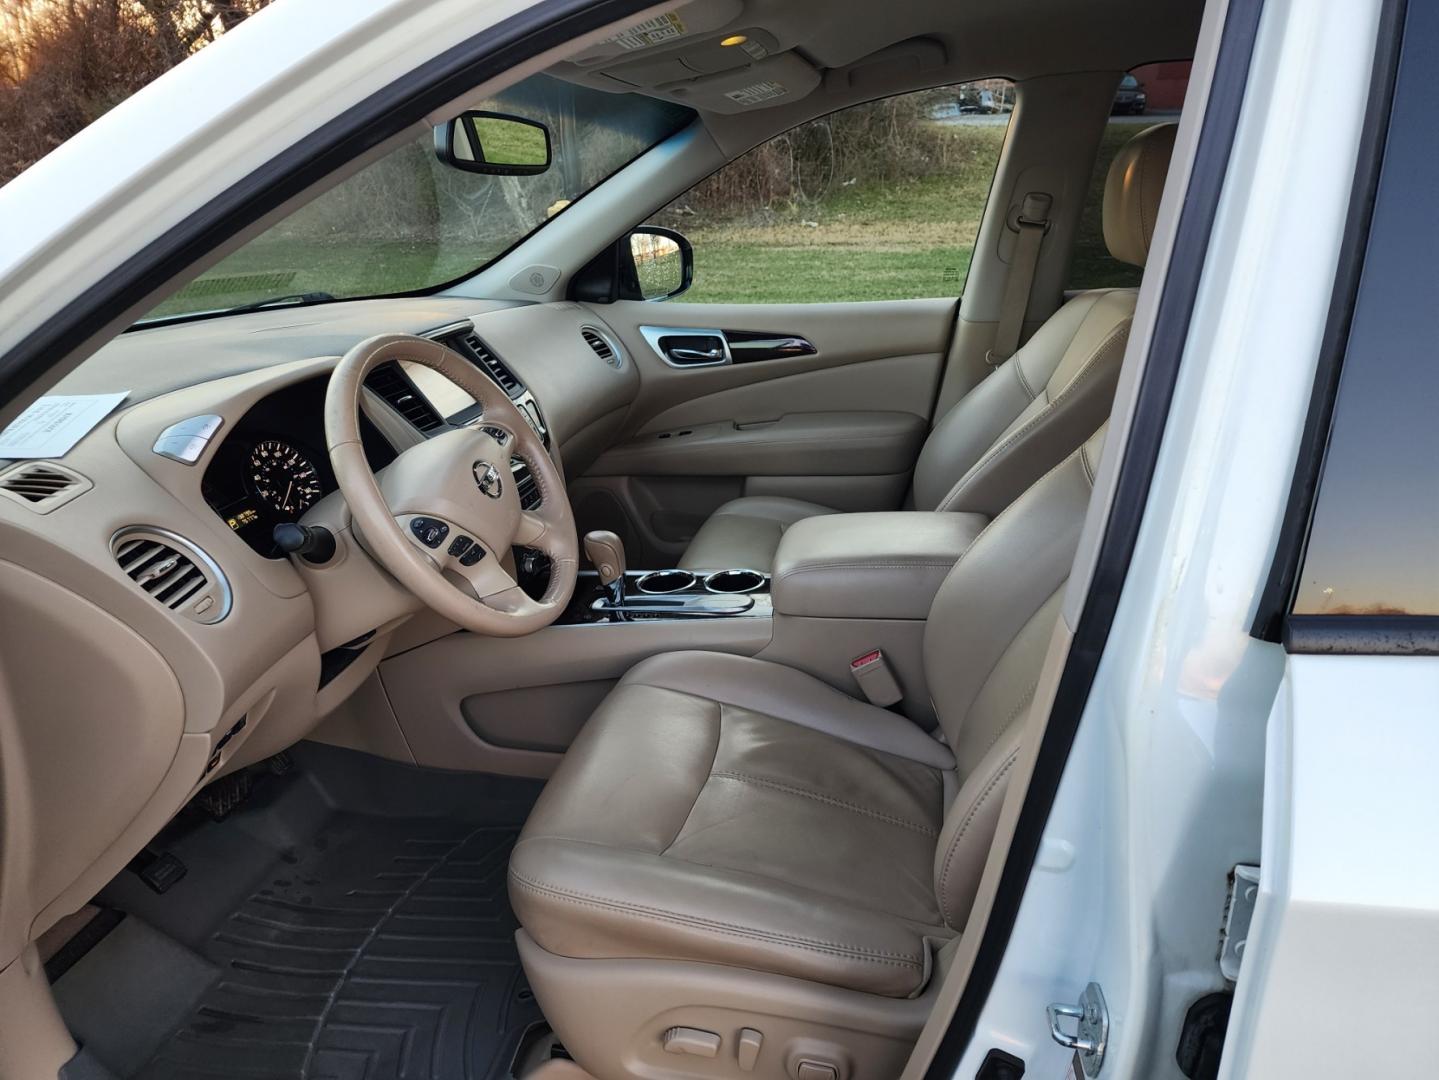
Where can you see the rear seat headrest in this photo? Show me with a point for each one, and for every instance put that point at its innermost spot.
(1132, 191)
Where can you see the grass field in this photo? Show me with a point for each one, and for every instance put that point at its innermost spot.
(882, 242)
(865, 241)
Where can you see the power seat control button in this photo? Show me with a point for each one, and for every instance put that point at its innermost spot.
(693, 1041)
(474, 555)
(428, 531)
(459, 545)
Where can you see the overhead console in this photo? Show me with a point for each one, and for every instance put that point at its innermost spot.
(702, 55)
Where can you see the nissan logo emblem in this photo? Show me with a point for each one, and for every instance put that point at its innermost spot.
(487, 479)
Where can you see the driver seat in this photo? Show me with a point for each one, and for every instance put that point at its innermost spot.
(739, 870)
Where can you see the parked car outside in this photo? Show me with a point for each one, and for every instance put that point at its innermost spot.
(1130, 99)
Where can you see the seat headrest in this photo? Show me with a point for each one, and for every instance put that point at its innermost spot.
(1132, 191)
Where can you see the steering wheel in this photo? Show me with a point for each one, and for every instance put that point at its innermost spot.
(442, 517)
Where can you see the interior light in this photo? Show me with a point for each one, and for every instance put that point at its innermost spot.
(734, 39)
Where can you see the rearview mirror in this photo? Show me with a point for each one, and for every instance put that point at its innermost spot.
(494, 143)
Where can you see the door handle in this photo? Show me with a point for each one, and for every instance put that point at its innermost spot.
(685, 347)
(747, 346)
(681, 355)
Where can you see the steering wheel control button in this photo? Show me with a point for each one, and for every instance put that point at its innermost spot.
(459, 545)
(474, 555)
(428, 531)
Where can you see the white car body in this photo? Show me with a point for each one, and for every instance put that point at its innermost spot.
(1200, 747)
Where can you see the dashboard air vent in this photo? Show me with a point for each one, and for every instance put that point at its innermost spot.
(493, 366)
(42, 485)
(601, 345)
(392, 384)
(526, 485)
(173, 572)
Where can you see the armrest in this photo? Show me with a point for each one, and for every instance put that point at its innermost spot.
(869, 566)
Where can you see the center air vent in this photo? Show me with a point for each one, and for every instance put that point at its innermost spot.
(526, 485)
(173, 572)
(471, 345)
(392, 384)
(41, 485)
(604, 348)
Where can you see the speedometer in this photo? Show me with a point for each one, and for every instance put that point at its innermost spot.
(284, 478)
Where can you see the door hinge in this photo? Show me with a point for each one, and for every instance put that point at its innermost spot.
(1091, 1028)
(1238, 913)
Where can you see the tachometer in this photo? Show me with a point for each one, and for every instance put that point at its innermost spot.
(284, 478)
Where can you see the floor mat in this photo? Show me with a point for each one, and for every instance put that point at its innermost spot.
(375, 948)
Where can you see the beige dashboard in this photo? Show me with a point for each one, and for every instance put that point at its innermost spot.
(114, 706)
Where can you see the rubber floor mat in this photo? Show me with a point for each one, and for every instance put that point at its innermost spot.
(383, 948)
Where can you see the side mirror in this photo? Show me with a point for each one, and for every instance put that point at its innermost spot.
(494, 143)
(660, 264)
(648, 263)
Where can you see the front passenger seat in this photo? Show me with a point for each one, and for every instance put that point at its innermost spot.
(738, 863)
(1024, 417)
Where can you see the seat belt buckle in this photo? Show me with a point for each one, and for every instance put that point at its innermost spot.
(1034, 211)
(876, 680)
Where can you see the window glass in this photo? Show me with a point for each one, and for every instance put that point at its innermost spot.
(1148, 95)
(880, 201)
(408, 222)
(1374, 537)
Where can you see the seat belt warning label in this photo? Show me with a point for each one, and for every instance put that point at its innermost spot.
(650, 32)
(757, 92)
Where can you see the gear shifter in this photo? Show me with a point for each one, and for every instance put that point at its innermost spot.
(607, 552)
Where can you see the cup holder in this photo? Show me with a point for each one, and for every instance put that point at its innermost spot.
(666, 581)
(734, 581)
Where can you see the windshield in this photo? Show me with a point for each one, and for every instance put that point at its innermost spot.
(409, 223)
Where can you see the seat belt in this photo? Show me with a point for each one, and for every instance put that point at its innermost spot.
(1033, 222)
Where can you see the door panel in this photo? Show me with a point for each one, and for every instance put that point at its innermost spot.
(821, 443)
(840, 425)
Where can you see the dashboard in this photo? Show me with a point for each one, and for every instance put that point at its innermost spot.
(156, 635)
(273, 466)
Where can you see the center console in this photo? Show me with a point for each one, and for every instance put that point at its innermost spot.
(847, 602)
(659, 595)
(869, 566)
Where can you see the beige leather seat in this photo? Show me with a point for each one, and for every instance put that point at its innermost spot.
(732, 844)
(1024, 417)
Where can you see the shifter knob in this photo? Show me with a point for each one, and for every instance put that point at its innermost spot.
(607, 552)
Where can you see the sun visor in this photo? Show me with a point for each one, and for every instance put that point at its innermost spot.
(776, 80)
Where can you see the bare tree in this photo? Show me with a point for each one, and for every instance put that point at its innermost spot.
(64, 63)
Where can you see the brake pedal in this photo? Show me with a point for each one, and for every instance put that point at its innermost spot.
(221, 797)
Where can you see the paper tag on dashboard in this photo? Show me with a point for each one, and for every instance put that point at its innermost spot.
(53, 424)
(654, 31)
